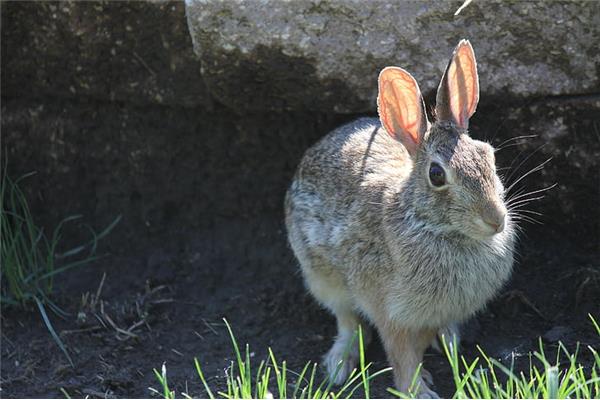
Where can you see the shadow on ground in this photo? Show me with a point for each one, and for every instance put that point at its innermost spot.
(202, 238)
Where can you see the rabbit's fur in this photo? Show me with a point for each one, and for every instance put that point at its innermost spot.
(376, 240)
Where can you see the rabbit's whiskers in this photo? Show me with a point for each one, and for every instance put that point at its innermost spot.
(524, 214)
(518, 211)
(507, 144)
(525, 218)
(531, 171)
(519, 199)
(516, 205)
(516, 169)
(524, 201)
(520, 195)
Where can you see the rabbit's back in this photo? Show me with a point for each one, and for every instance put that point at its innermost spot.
(334, 203)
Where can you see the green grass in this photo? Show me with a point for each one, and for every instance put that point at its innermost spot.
(559, 378)
(243, 383)
(483, 377)
(30, 258)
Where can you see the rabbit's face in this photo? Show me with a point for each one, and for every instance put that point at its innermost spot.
(456, 188)
(457, 179)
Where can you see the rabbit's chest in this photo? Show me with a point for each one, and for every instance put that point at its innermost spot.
(439, 288)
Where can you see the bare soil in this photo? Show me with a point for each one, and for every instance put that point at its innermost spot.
(203, 239)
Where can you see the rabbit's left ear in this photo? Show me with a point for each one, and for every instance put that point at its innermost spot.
(458, 93)
(401, 108)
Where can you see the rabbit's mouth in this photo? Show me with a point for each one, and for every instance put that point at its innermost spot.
(483, 229)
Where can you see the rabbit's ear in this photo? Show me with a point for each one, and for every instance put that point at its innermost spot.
(458, 93)
(401, 108)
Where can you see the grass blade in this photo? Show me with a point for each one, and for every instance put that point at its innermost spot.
(202, 379)
(52, 331)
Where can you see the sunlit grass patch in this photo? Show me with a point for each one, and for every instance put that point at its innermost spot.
(483, 377)
(273, 379)
(559, 378)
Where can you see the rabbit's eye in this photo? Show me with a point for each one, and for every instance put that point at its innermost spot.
(437, 176)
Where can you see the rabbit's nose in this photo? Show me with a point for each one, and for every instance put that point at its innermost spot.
(496, 221)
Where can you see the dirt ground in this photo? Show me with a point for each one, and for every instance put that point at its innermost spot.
(202, 239)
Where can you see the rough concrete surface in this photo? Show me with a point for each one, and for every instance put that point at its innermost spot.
(325, 55)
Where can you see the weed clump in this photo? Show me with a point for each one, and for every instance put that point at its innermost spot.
(30, 258)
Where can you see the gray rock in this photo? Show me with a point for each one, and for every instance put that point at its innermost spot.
(326, 55)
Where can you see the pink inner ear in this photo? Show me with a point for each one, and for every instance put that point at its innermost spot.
(400, 109)
(463, 85)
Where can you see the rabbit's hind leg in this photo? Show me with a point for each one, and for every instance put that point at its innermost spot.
(330, 290)
(450, 334)
(344, 355)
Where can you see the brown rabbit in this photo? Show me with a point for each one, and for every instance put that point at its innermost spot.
(402, 224)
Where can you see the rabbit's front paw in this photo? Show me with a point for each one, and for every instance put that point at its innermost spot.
(426, 393)
(422, 391)
(339, 363)
(426, 376)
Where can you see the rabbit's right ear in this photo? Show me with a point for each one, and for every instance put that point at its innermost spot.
(458, 93)
(401, 107)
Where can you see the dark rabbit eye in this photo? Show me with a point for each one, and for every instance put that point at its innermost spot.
(437, 176)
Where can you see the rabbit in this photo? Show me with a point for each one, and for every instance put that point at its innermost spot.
(401, 224)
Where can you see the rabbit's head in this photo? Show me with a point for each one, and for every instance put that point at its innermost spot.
(454, 185)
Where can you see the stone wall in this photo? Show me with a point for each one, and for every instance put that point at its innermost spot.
(109, 103)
